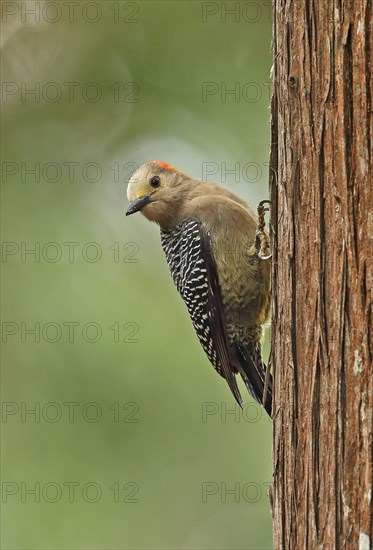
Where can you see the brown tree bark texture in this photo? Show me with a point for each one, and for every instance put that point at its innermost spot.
(322, 229)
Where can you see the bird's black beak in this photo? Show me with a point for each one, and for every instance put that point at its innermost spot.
(139, 203)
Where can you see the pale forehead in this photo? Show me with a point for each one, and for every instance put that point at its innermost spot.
(141, 177)
(145, 171)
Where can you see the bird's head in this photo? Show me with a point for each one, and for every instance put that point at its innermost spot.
(158, 190)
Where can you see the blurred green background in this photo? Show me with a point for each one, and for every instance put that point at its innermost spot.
(135, 442)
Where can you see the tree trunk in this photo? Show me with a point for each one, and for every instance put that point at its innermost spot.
(322, 229)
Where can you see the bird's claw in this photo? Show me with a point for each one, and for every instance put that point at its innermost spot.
(261, 237)
(268, 257)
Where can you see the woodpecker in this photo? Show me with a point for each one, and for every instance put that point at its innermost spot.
(217, 252)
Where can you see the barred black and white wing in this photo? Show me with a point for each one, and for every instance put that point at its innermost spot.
(188, 253)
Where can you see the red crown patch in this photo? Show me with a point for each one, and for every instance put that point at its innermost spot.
(165, 165)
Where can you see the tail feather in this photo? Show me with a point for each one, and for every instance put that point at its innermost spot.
(253, 371)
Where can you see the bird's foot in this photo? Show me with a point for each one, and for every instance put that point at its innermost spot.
(261, 238)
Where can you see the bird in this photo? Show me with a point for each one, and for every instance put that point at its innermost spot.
(218, 254)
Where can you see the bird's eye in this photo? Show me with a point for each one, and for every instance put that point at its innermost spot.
(155, 181)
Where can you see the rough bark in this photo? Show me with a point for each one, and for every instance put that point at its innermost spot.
(322, 229)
